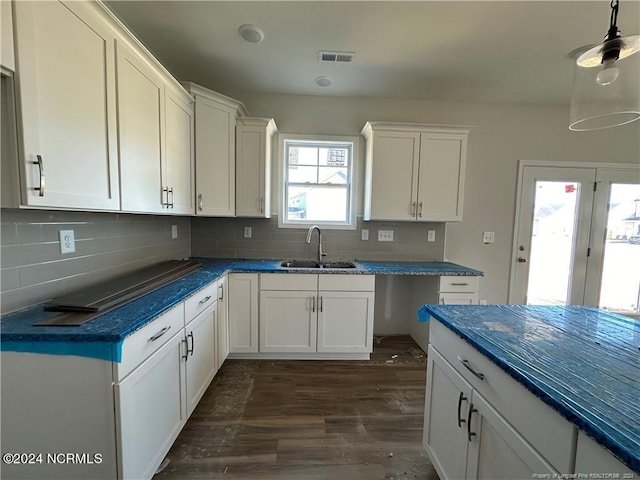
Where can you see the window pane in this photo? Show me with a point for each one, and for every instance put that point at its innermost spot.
(334, 157)
(333, 175)
(303, 175)
(620, 288)
(317, 204)
(301, 155)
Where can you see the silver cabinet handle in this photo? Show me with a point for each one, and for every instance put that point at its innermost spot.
(192, 344)
(261, 204)
(185, 357)
(522, 260)
(41, 170)
(320, 302)
(165, 190)
(413, 209)
(159, 334)
(170, 203)
(461, 398)
(471, 412)
(465, 362)
(460, 284)
(420, 209)
(313, 304)
(200, 205)
(205, 299)
(221, 290)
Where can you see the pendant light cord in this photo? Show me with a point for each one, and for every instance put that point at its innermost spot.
(613, 27)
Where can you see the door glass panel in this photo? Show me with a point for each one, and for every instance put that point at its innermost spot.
(620, 285)
(552, 242)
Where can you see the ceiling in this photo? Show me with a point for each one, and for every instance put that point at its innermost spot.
(478, 51)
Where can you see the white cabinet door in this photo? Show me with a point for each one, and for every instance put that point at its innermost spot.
(243, 312)
(345, 321)
(392, 176)
(592, 457)
(150, 411)
(253, 167)
(288, 321)
(179, 165)
(223, 321)
(447, 402)
(201, 355)
(67, 106)
(215, 155)
(7, 55)
(441, 178)
(496, 450)
(141, 123)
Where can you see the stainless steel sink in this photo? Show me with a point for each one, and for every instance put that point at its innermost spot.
(338, 265)
(300, 264)
(314, 264)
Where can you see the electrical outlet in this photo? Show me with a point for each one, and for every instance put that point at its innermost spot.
(488, 237)
(385, 235)
(174, 231)
(365, 234)
(67, 241)
(431, 236)
(247, 232)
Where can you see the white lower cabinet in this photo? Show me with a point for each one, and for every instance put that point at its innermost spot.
(481, 424)
(243, 312)
(200, 355)
(458, 290)
(309, 313)
(592, 458)
(223, 320)
(150, 411)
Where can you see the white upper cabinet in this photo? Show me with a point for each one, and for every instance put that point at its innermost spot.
(156, 138)
(141, 122)
(215, 150)
(179, 145)
(7, 57)
(253, 166)
(67, 106)
(414, 172)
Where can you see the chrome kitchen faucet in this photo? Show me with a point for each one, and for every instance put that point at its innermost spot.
(320, 252)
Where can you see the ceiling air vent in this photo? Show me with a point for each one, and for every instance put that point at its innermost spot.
(335, 57)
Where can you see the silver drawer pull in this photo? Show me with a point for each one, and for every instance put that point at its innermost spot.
(205, 299)
(221, 290)
(460, 284)
(200, 205)
(160, 333)
(41, 169)
(461, 398)
(465, 362)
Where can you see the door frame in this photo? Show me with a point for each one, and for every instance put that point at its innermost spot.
(596, 210)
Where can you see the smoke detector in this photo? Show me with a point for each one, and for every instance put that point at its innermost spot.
(325, 56)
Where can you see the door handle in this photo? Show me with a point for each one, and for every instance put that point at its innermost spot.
(40, 189)
(471, 412)
(461, 398)
(522, 260)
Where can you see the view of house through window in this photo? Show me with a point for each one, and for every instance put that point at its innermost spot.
(318, 182)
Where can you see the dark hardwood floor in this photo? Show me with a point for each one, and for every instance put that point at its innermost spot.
(310, 420)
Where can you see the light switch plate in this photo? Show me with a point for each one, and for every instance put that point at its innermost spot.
(67, 241)
(431, 236)
(247, 232)
(174, 231)
(385, 235)
(365, 234)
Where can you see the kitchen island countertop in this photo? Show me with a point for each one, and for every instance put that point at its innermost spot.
(102, 337)
(581, 361)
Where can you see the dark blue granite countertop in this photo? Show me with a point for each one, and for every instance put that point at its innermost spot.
(102, 337)
(581, 361)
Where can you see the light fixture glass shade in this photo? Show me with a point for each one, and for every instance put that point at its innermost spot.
(604, 97)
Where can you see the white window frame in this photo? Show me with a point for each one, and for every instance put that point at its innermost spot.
(351, 223)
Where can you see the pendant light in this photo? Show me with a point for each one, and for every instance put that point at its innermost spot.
(606, 85)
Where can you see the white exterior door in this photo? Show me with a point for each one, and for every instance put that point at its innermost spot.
(552, 240)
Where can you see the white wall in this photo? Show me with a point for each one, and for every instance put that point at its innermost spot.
(501, 136)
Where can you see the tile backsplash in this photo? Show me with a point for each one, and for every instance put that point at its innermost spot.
(224, 237)
(106, 244)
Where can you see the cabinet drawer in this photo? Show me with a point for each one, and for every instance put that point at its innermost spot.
(141, 344)
(461, 283)
(200, 301)
(347, 283)
(288, 281)
(547, 431)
